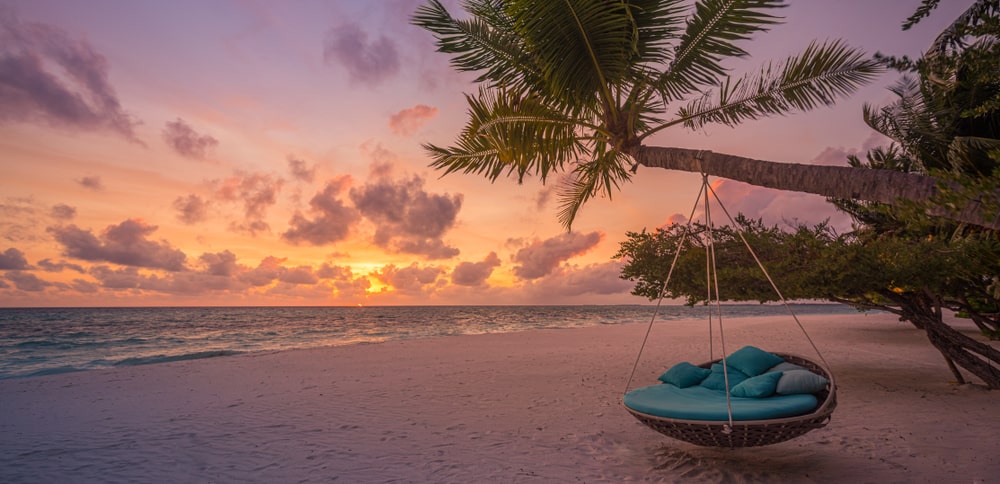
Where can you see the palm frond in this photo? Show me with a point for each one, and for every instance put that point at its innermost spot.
(507, 135)
(483, 43)
(821, 74)
(710, 37)
(584, 46)
(601, 176)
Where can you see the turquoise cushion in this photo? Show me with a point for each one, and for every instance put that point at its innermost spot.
(759, 386)
(800, 381)
(752, 360)
(699, 403)
(716, 380)
(684, 374)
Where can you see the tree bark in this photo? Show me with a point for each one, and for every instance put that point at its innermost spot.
(884, 186)
(958, 349)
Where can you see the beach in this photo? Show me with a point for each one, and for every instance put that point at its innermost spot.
(531, 406)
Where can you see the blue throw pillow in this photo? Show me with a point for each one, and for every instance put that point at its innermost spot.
(684, 375)
(800, 381)
(760, 386)
(716, 380)
(752, 361)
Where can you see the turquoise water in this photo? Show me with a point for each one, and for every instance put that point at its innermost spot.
(42, 341)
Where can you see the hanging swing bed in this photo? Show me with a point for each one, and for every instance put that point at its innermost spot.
(746, 399)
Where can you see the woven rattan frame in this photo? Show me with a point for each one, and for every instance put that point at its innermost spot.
(750, 433)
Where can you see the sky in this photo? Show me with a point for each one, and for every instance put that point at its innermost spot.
(243, 152)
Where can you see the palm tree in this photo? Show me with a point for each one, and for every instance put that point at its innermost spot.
(578, 86)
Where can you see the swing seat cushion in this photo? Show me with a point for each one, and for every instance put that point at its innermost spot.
(684, 374)
(700, 403)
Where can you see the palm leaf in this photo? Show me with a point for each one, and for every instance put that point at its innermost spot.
(506, 135)
(710, 37)
(601, 176)
(821, 74)
(483, 43)
(584, 47)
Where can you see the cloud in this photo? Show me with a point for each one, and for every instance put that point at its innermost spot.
(27, 281)
(121, 278)
(63, 212)
(220, 263)
(407, 218)
(599, 279)
(408, 121)
(300, 171)
(60, 266)
(13, 260)
(343, 281)
(257, 192)
(298, 275)
(191, 209)
(410, 280)
(365, 62)
(186, 141)
(92, 182)
(541, 257)
(475, 273)
(48, 77)
(775, 207)
(124, 244)
(333, 219)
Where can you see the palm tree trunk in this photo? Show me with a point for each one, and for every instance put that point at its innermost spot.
(884, 186)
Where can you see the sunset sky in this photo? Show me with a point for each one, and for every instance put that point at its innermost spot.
(228, 152)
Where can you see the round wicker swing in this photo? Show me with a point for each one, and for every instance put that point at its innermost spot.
(749, 433)
(739, 433)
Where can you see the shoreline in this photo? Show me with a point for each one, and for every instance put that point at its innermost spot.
(537, 405)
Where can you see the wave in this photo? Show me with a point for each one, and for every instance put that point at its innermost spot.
(149, 360)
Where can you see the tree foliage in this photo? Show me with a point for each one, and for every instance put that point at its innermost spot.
(576, 86)
(945, 121)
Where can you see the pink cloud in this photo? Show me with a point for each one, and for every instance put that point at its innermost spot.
(46, 76)
(410, 280)
(191, 209)
(256, 192)
(91, 182)
(186, 141)
(333, 219)
(408, 121)
(475, 273)
(407, 218)
(542, 257)
(300, 171)
(12, 259)
(125, 244)
(63, 212)
(598, 279)
(365, 62)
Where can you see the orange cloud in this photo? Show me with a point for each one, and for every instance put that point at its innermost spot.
(408, 121)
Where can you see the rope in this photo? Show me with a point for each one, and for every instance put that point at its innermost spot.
(663, 288)
(768, 276)
(712, 276)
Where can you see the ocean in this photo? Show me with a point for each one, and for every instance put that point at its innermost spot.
(44, 341)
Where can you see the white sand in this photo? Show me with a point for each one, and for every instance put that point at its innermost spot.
(534, 406)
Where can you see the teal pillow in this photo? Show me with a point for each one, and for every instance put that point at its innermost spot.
(760, 386)
(716, 380)
(752, 361)
(800, 381)
(684, 375)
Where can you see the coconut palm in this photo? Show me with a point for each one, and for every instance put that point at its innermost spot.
(578, 86)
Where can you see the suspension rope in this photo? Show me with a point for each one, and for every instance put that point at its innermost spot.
(768, 276)
(712, 279)
(663, 288)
